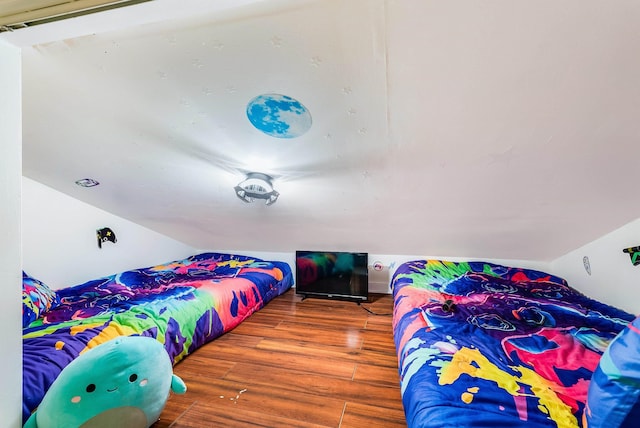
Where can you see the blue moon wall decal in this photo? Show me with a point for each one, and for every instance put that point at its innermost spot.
(278, 115)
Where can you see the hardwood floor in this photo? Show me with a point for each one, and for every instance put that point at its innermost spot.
(311, 363)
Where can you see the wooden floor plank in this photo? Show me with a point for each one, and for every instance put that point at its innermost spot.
(358, 415)
(313, 317)
(206, 415)
(276, 358)
(378, 341)
(291, 331)
(315, 363)
(237, 339)
(376, 374)
(319, 351)
(235, 398)
(379, 324)
(215, 368)
(303, 381)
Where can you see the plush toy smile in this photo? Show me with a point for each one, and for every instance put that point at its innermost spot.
(122, 383)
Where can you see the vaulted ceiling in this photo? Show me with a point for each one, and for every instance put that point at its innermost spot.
(498, 129)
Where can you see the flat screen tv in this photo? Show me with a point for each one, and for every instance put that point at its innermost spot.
(332, 274)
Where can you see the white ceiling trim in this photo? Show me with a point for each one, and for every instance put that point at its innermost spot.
(16, 14)
(121, 18)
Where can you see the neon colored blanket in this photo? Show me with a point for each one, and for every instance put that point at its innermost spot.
(484, 345)
(183, 304)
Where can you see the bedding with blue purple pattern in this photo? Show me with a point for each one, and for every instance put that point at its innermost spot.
(183, 304)
(485, 345)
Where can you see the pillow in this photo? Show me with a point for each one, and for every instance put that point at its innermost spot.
(613, 399)
(37, 298)
(84, 394)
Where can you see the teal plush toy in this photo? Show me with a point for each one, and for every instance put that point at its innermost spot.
(121, 383)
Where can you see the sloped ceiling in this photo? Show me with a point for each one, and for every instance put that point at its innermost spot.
(501, 129)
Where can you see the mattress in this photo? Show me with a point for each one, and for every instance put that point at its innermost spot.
(183, 304)
(485, 345)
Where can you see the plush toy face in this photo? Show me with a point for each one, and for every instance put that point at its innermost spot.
(125, 380)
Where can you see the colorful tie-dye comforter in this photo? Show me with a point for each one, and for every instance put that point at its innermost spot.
(183, 304)
(483, 345)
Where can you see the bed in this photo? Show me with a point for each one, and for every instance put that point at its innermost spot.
(485, 345)
(182, 304)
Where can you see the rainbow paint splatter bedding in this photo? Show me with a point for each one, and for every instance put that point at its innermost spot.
(484, 345)
(183, 304)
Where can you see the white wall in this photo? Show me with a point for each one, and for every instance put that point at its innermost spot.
(59, 244)
(10, 277)
(379, 281)
(613, 280)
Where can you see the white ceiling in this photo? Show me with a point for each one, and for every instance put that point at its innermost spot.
(502, 129)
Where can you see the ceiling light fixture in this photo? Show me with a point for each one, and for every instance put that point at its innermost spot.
(87, 182)
(257, 186)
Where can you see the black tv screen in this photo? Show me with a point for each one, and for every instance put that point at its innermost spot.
(332, 274)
